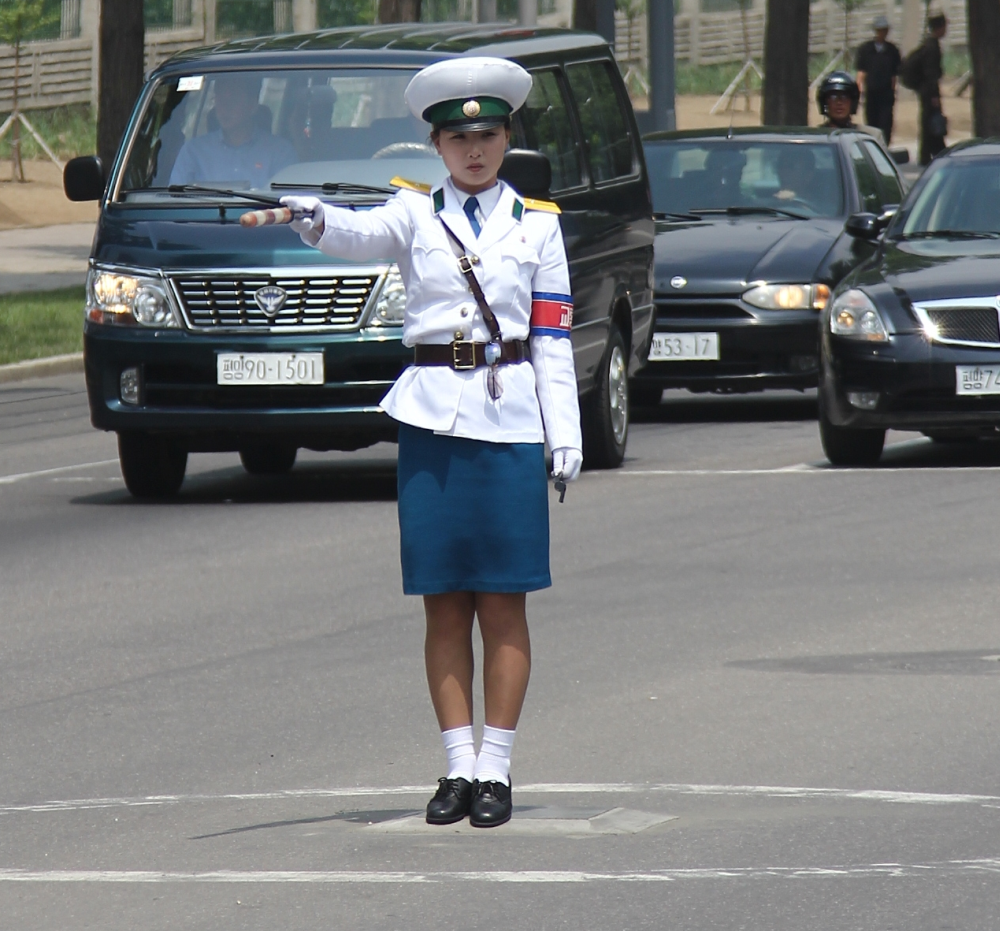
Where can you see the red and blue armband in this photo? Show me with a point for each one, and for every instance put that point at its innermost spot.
(551, 314)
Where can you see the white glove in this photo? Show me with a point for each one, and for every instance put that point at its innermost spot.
(567, 460)
(309, 217)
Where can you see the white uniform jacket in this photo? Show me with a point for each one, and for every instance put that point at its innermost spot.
(525, 280)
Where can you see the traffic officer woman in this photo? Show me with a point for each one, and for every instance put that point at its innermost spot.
(493, 377)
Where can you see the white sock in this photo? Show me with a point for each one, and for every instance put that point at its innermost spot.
(493, 762)
(460, 746)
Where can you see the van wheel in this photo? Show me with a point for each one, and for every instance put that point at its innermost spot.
(849, 446)
(151, 466)
(605, 411)
(268, 459)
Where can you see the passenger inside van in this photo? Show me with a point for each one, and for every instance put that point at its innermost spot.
(240, 151)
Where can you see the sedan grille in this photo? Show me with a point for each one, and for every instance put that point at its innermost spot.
(309, 302)
(966, 324)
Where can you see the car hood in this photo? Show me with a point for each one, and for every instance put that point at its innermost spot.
(195, 238)
(719, 255)
(936, 269)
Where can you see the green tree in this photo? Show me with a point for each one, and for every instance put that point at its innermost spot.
(346, 13)
(21, 20)
(849, 6)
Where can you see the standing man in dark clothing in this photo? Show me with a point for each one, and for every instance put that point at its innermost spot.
(933, 125)
(878, 63)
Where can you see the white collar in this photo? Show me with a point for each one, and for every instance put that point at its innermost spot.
(487, 199)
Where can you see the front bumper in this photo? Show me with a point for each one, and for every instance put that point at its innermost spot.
(915, 382)
(179, 396)
(757, 348)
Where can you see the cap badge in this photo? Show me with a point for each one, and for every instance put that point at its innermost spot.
(471, 108)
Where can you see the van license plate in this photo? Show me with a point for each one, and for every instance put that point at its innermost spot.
(676, 347)
(270, 368)
(977, 379)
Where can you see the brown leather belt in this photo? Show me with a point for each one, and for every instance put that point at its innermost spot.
(465, 355)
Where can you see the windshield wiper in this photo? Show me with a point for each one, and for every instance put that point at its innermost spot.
(333, 187)
(222, 192)
(748, 211)
(952, 234)
(669, 215)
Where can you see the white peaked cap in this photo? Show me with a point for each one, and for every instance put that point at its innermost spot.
(467, 79)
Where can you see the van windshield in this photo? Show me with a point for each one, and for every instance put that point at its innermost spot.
(272, 131)
(706, 175)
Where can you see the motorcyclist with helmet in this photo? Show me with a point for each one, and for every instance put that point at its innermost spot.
(837, 98)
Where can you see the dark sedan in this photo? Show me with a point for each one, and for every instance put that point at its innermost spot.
(911, 339)
(750, 239)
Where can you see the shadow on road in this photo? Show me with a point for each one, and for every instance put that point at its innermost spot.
(682, 407)
(316, 481)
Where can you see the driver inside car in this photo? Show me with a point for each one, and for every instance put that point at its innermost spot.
(796, 170)
(242, 152)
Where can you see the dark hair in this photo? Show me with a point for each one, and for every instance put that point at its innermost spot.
(937, 21)
(436, 130)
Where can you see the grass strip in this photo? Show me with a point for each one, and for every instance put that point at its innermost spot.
(38, 324)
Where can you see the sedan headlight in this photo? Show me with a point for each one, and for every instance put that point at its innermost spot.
(391, 303)
(117, 298)
(854, 315)
(788, 296)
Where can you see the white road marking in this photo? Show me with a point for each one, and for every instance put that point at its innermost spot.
(24, 476)
(869, 870)
(804, 469)
(538, 788)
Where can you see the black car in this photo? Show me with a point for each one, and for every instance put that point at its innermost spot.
(201, 335)
(911, 339)
(750, 239)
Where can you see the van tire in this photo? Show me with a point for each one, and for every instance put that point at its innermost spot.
(268, 458)
(605, 411)
(152, 466)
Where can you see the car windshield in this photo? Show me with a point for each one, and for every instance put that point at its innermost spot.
(769, 177)
(960, 198)
(271, 131)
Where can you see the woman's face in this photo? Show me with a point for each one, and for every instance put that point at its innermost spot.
(473, 158)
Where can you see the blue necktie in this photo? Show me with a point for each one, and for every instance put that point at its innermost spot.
(470, 208)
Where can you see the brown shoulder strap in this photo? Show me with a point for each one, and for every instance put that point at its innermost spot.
(465, 265)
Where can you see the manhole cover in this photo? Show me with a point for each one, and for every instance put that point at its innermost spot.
(946, 662)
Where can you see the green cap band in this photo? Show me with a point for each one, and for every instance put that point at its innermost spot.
(467, 110)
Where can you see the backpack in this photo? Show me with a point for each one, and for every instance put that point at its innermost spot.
(911, 70)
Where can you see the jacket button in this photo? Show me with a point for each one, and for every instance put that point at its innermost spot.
(465, 311)
(459, 334)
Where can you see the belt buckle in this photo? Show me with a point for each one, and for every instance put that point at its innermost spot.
(463, 355)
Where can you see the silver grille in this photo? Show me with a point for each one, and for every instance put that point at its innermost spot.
(227, 300)
(968, 322)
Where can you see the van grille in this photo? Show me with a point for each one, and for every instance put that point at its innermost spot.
(228, 300)
(966, 324)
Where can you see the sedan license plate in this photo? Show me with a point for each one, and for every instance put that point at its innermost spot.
(677, 347)
(977, 379)
(270, 368)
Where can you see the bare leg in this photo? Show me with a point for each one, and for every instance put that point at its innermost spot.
(506, 655)
(448, 656)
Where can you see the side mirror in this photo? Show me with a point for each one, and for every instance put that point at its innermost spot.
(527, 172)
(83, 178)
(900, 156)
(863, 226)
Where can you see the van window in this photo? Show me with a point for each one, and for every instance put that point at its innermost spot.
(546, 127)
(609, 146)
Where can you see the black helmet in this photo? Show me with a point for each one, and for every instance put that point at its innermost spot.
(838, 82)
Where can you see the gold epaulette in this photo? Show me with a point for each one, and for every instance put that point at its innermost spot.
(417, 186)
(545, 205)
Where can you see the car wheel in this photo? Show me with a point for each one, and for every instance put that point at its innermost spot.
(151, 466)
(268, 459)
(849, 446)
(643, 394)
(606, 410)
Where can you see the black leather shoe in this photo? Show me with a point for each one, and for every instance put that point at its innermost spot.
(491, 804)
(450, 802)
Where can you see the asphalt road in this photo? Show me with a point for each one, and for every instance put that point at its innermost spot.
(765, 692)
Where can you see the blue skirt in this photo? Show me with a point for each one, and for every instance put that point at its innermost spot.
(473, 516)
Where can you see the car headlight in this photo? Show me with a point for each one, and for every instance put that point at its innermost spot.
(854, 315)
(788, 296)
(116, 298)
(391, 304)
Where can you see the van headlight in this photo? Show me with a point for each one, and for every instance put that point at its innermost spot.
(855, 316)
(117, 298)
(788, 296)
(391, 304)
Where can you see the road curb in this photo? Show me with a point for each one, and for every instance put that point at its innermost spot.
(39, 368)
